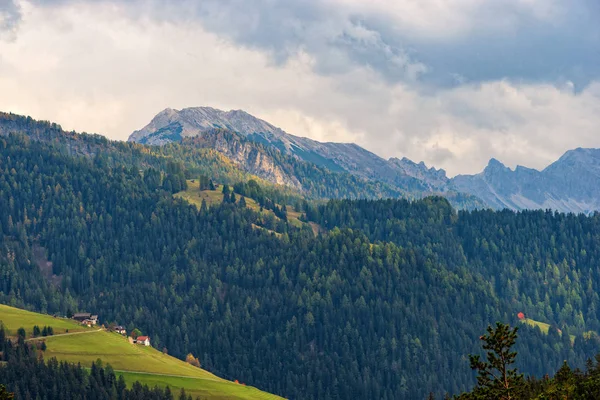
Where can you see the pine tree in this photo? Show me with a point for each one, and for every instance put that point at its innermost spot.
(496, 379)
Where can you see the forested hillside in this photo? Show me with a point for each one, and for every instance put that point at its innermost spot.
(215, 157)
(384, 305)
(386, 308)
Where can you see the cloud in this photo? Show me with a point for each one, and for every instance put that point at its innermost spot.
(438, 43)
(532, 40)
(10, 14)
(335, 70)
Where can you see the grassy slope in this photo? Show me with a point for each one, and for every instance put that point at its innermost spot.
(15, 318)
(136, 363)
(544, 327)
(194, 196)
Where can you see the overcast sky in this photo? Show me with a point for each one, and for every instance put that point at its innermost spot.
(449, 82)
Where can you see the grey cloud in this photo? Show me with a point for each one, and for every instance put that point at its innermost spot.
(506, 40)
(503, 39)
(564, 47)
(10, 14)
(337, 41)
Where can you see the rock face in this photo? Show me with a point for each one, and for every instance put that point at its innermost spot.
(244, 153)
(571, 184)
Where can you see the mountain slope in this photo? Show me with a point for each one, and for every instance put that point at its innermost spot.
(571, 184)
(175, 125)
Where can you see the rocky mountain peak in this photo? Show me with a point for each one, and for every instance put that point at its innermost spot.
(495, 165)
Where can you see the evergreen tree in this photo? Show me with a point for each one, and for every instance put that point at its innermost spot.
(496, 378)
(21, 333)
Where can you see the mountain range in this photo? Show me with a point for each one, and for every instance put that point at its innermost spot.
(571, 184)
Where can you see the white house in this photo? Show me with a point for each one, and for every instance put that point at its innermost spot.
(145, 340)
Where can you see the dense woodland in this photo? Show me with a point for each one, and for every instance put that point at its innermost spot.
(385, 304)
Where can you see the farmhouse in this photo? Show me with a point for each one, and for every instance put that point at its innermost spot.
(145, 340)
(86, 318)
(81, 316)
(121, 330)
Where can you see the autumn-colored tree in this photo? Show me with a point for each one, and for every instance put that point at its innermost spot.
(190, 359)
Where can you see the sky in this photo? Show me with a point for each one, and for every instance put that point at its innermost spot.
(452, 83)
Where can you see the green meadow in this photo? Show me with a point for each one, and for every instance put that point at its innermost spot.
(135, 362)
(15, 318)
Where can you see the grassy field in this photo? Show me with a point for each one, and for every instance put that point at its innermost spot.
(544, 327)
(15, 318)
(194, 195)
(220, 390)
(116, 350)
(134, 362)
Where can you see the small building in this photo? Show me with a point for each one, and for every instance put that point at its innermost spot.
(121, 330)
(145, 340)
(81, 316)
(86, 318)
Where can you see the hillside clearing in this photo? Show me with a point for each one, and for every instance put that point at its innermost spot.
(194, 195)
(544, 327)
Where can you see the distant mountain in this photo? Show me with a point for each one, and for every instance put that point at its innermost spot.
(571, 184)
(176, 125)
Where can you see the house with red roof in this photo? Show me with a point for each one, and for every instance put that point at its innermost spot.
(145, 340)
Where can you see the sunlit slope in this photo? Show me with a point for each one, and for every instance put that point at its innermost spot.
(15, 318)
(194, 196)
(135, 362)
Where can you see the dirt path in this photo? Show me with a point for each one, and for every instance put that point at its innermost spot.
(174, 376)
(62, 334)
